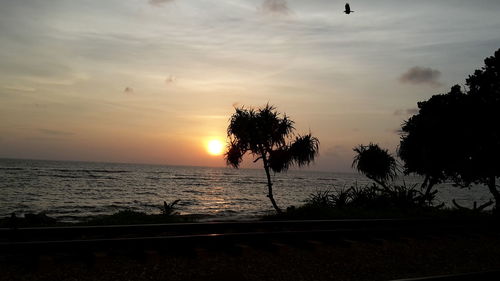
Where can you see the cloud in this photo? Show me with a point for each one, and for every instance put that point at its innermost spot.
(412, 111)
(159, 2)
(421, 75)
(19, 88)
(275, 7)
(171, 79)
(128, 90)
(55, 132)
(409, 111)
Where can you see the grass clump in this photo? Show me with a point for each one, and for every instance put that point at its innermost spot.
(168, 214)
(371, 201)
(133, 217)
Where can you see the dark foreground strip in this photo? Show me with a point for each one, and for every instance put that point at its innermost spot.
(116, 231)
(476, 276)
(220, 240)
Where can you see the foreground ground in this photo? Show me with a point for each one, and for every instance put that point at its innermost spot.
(339, 260)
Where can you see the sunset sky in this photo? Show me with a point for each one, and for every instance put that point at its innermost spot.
(153, 81)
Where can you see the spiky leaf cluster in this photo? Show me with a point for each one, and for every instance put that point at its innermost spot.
(374, 162)
(266, 134)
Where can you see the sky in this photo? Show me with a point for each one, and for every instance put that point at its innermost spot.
(153, 81)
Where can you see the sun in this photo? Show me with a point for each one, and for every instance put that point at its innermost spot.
(215, 147)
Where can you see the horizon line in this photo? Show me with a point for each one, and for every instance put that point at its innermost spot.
(158, 164)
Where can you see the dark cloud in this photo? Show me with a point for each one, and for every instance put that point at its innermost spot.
(409, 111)
(55, 132)
(277, 7)
(128, 90)
(159, 2)
(421, 75)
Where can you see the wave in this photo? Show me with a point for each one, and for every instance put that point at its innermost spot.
(90, 171)
(326, 179)
(89, 176)
(189, 178)
(11, 169)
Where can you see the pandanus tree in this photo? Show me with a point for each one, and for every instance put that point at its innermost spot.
(268, 136)
(375, 163)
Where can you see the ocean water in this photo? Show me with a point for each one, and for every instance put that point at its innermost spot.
(72, 191)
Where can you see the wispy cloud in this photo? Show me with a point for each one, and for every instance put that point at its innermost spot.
(409, 111)
(128, 90)
(421, 75)
(159, 2)
(276, 7)
(337, 150)
(19, 88)
(412, 111)
(55, 132)
(170, 79)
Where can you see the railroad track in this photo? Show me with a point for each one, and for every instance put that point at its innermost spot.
(221, 235)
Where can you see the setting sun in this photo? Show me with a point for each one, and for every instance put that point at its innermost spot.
(215, 147)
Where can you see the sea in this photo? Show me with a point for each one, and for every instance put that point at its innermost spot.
(73, 191)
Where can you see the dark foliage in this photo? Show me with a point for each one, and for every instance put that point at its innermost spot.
(169, 209)
(40, 219)
(126, 217)
(375, 163)
(266, 134)
(370, 197)
(368, 201)
(457, 135)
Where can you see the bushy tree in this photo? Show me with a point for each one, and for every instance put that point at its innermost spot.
(268, 136)
(375, 163)
(457, 135)
(428, 144)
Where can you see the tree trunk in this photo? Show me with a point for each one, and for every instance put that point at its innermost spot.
(493, 189)
(428, 190)
(270, 184)
(381, 183)
(424, 184)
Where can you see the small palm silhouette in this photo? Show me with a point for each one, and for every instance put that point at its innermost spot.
(375, 163)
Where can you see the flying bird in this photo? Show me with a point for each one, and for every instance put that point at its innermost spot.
(348, 9)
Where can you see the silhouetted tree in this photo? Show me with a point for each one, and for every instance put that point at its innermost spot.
(265, 134)
(375, 163)
(457, 135)
(482, 158)
(428, 146)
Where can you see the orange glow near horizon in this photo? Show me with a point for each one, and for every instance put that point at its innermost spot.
(215, 147)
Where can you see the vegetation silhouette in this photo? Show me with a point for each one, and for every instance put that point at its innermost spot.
(268, 136)
(457, 135)
(169, 208)
(378, 165)
(375, 163)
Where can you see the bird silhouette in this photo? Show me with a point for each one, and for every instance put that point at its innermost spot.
(348, 9)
